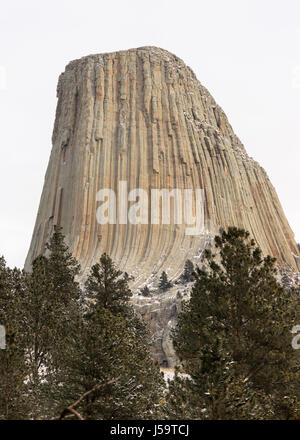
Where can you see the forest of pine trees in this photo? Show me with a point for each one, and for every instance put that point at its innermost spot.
(80, 351)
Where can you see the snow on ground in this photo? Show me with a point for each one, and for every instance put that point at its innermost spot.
(169, 373)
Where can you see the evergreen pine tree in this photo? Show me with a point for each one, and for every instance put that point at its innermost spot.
(51, 307)
(13, 370)
(62, 268)
(145, 291)
(188, 271)
(107, 287)
(233, 338)
(164, 284)
(111, 361)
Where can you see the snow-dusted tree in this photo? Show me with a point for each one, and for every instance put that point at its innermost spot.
(13, 369)
(234, 338)
(164, 284)
(111, 361)
(145, 291)
(187, 274)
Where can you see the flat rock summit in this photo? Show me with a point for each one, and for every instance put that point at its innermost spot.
(141, 116)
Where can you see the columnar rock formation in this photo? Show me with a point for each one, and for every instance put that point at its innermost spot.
(142, 116)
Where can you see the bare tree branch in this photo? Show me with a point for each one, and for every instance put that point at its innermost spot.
(70, 408)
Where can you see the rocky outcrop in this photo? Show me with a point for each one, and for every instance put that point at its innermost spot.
(160, 312)
(141, 116)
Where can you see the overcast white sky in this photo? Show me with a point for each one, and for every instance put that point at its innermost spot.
(245, 52)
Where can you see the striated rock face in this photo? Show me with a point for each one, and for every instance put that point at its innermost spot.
(141, 116)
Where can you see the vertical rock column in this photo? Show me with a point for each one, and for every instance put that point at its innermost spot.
(141, 116)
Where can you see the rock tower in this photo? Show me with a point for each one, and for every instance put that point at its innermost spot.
(140, 116)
